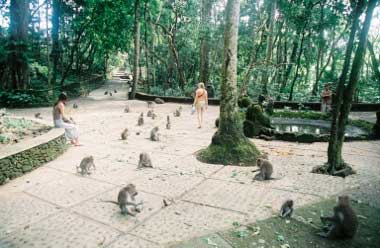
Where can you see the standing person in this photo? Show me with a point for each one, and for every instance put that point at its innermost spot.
(326, 99)
(61, 121)
(200, 102)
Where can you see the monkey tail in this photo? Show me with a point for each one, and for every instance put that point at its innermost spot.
(114, 202)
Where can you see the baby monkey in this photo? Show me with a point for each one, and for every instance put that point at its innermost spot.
(86, 165)
(168, 123)
(127, 202)
(286, 209)
(140, 121)
(265, 168)
(144, 161)
(124, 134)
(150, 113)
(127, 109)
(154, 135)
(344, 222)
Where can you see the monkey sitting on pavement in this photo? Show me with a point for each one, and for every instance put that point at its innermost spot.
(127, 202)
(154, 135)
(344, 222)
(144, 161)
(140, 121)
(124, 134)
(86, 165)
(127, 109)
(150, 113)
(168, 123)
(37, 116)
(265, 168)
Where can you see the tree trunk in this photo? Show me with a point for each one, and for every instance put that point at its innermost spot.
(375, 63)
(344, 97)
(205, 41)
(147, 64)
(321, 44)
(136, 59)
(229, 145)
(297, 69)
(47, 42)
(55, 52)
(269, 49)
(19, 19)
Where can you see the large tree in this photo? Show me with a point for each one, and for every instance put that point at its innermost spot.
(229, 145)
(345, 91)
(18, 47)
(136, 59)
(205, 41)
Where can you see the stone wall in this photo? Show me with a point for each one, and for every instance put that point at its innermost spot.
(17, 164)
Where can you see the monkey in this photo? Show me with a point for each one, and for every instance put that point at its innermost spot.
(177, 113)
(154, 116)
(265, 168)
(140, 121)
(127, 109)
(344, 222)
(168, 124)
(154, 135)
(124, 134)
(264, 155)
(180, 108)
(150, 113)
(85, 165)
(75, 106)
(106, 92)
(115, 91)
(150, 104)
(127, 202)
(37, 116)
(110, 93)
(144, 161)
(287, 209)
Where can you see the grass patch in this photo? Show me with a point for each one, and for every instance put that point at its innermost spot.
(300, 231)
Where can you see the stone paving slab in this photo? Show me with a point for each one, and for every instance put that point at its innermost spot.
(62, 230)
(68, 190)
(38, 176)
(190, 165)
(129, 241)
(23, 210)
(109, 213)
(185, 220)
(211, 240)
(168, 184)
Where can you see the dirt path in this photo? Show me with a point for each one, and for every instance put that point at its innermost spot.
(53, 206)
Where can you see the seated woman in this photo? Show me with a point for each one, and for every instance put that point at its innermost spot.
(60, 120)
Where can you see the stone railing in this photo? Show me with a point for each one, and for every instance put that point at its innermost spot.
(20, 158)
(362, 107)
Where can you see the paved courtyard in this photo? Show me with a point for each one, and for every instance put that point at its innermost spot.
(53, 206)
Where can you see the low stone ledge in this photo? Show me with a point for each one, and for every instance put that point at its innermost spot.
(18, 159)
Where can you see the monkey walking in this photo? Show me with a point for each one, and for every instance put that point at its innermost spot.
(265, 168)
(144, 161)
(168, 124)
(177, 113)
(86, 165)
(124, 134)
(127, 202)
(37, 116)
(127, 109)
(140, 121)
(154, 135)
(286, 209)
(344, 222)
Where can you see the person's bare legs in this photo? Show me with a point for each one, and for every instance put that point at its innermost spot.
(201, 118)
(199, 112)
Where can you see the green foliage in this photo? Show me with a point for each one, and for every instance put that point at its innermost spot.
(244, 102)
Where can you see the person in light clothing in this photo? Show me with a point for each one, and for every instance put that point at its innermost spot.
(61, 121)
(200, 102)
(326, 99)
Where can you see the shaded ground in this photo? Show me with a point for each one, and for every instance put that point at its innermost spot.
(53, 206)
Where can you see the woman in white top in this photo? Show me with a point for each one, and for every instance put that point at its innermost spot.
(60, 120)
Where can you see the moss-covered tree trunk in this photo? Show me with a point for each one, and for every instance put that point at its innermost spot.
(18, 47)
(136, 58)
(345, 93)
(205, 41)
(229, 145)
